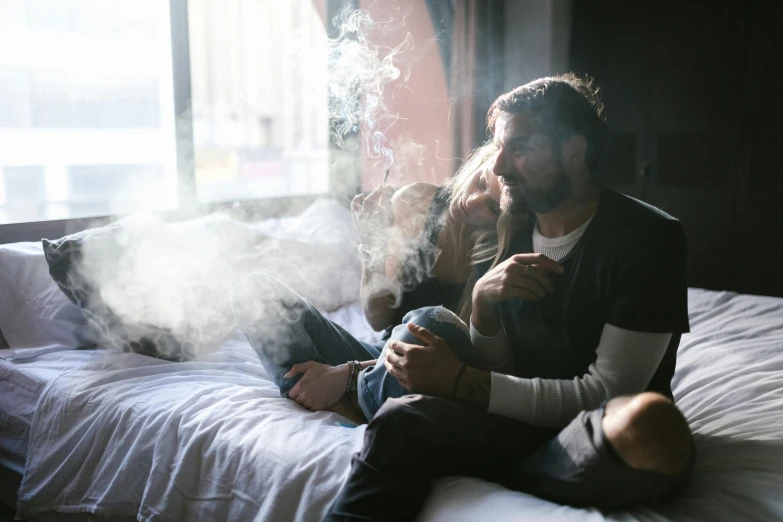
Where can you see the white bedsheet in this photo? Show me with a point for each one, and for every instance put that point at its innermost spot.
(212, 440)
(21, 384)
(729, 385)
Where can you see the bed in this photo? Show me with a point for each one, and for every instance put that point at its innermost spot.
(126, 436)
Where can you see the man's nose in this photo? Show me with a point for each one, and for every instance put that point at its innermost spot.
(499, 167)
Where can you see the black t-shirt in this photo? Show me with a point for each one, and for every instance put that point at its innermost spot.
(628, 270)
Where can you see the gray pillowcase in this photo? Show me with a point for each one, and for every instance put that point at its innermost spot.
(105, 328)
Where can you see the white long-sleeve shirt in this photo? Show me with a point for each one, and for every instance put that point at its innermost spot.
(625, 363)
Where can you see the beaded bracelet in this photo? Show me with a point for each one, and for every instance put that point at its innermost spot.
(351, 375)
(354, 384)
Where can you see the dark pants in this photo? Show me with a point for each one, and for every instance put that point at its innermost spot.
(415, 439)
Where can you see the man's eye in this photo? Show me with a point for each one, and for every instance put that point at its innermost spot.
(520, 148)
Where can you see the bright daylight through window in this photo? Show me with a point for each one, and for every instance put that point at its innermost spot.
(260, 115)
(87, 105)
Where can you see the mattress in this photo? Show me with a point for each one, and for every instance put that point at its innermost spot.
(24, 374)
(729, 385)
(211, 439)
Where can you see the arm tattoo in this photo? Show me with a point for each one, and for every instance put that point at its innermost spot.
(474, 387)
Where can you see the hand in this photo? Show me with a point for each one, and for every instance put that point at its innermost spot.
(373, 213)
(521, 275)
(321, 386)
(429, 369)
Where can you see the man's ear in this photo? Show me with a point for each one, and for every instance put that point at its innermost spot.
(574, 150)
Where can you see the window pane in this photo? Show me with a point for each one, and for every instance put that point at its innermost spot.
(259, 91)
(86, 108)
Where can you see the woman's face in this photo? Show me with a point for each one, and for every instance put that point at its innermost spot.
(478, 204)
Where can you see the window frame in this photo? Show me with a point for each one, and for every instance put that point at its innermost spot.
(188, 204)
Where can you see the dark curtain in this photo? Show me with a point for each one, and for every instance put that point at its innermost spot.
(442, 16)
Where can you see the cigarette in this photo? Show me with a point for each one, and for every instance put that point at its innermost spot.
(386, 176)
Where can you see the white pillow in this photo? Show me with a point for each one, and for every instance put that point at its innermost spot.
(314, 253)
(34, 312)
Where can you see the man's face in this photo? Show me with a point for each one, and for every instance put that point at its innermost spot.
(530, 171)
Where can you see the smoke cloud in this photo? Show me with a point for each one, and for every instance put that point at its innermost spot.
(363, 74)
(194, 279)
(359, 70)
(179, 278)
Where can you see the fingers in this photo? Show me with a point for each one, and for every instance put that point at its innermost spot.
(301, 398)
(538, 259)
(394, 363)
(394, 368)
(373, 197)
(399, 348)
(380, 194)
(299, 368)
(393, 355)
(293, 393)
(423, 334)
(525, 293)
(538, 274)
(519, 285)
(537, 281)
(356, 202)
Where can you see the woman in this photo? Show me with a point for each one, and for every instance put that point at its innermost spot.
(418, 246)
(416, 242)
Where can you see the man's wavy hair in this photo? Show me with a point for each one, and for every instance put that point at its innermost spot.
(565, 105)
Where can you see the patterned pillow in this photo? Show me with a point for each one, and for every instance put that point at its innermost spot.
(66, 260)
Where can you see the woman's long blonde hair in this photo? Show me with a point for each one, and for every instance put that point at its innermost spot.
(482, 245)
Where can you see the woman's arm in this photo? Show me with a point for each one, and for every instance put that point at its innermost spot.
(321, 385)
(383, 261)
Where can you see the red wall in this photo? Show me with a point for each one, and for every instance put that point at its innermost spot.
(421, 137)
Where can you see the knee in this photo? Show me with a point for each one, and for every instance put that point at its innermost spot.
(438, 320)
(433, 317)
(649, 433)
(259, 301)
(396, 413)
(392, 428)
(407, 415)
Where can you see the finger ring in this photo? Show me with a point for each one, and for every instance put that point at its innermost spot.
(527, 270)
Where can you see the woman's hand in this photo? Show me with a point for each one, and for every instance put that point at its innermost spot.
(373, 216)
(321, 385)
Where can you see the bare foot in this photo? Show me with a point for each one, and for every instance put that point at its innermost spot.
(347, 410)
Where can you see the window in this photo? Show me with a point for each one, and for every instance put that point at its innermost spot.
(259, 91)
(86, 108)
(111, 106)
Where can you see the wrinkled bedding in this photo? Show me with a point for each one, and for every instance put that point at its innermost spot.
(211, 439)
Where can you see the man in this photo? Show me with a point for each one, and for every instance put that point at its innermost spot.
(582, 324)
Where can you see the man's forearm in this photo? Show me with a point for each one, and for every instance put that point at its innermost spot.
(473, 387)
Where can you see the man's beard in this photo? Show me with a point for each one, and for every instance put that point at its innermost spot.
(524, 198)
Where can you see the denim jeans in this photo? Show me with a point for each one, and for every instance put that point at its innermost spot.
(376, 385)
(284, 329)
